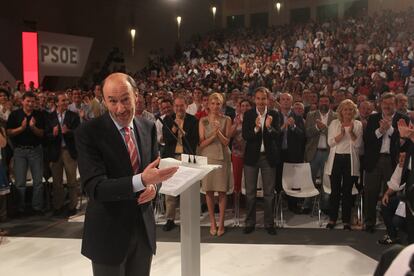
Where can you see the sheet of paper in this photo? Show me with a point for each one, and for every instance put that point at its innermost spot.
(181, 180)
(400, 209)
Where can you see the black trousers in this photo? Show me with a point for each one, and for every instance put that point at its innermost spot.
(409, 226)
(137, 261)
(391, 221)
(373, 184)
(341, 188)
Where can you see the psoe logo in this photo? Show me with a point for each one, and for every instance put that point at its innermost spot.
(58, 54)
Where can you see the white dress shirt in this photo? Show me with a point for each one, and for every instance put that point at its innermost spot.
(323, 144)
(137, 184)
(386, 138)
(262, 122)
(61, 118)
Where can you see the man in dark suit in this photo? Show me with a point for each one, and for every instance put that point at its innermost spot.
(118, 162)
(180, 132)
(292, 142)
(261, 131)
(407, 177)
(61, 151)
(382, 147)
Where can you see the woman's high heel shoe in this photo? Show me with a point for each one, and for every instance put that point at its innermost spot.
(213, 232)
(221, 232)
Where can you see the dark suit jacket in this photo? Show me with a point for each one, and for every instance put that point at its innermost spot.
(295, 139)
(54, 144)
(191, 135)
(407, 175)
(106, 174)
(372, 145)
(271, 138)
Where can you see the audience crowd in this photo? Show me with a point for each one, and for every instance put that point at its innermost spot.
(335, 94)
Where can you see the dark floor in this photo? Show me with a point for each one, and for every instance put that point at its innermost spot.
(366, 243)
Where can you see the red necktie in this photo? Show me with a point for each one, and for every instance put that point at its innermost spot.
(132, 149)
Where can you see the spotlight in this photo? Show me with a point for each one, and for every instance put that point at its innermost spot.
(133, 32)
(278, 6)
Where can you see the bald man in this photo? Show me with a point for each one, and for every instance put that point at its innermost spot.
(118, 160)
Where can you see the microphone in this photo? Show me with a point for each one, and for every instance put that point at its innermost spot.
(187, 144)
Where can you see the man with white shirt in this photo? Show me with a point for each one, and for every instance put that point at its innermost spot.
(79, 107)
(118, 157)
(407, 178)
(261, 130)
(140, 111)
(166, 109)
(382, 147)
(392, 208)
(292, 142)
(196, 105)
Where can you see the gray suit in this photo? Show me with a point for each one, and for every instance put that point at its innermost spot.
(316, 157)
(313, 134)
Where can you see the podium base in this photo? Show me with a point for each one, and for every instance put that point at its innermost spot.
(190, 231)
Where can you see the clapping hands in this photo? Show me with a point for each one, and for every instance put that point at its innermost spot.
(406, 130)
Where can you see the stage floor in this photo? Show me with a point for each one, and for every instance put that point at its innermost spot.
(21, 256)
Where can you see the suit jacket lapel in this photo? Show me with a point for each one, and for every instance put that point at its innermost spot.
(318, 115)
(137, 126)
(395, 119)
(66, 119)
(330, 117)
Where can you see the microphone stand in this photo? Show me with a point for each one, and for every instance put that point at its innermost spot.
(186, 142)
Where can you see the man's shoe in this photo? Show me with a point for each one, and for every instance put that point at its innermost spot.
(71, 212)
(347, 227)
(387, 240)
(331, 225)
(248, 229)
(169, 225)
(271, 230)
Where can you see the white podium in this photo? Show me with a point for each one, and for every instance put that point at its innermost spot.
(185, 183)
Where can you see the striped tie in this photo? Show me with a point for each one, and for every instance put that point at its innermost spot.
(132, 149)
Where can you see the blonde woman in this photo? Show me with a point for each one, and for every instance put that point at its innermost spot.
(345, 140)
(214, 131)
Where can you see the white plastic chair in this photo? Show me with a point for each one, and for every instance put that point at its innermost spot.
(327, 189)
(297, 182)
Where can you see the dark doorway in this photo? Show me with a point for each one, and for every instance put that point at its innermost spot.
(327, 12)
(235, 21)
(259, 20)
(356, 8)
